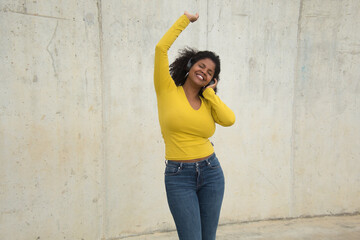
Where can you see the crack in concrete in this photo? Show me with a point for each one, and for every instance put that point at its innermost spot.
(103, 206)
(6, 9)
(292, 158)
(50, 53)
(207, 24)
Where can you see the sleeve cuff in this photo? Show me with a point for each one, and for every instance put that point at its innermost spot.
(185, 18)
(208, 92)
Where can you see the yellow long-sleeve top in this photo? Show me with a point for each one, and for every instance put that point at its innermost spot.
(186, 131)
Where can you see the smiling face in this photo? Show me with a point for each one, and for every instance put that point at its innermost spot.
(202, 72)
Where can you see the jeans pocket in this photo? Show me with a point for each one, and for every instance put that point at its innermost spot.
(172, 170)
(214, 164)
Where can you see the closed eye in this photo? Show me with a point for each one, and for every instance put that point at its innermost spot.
(203, 66)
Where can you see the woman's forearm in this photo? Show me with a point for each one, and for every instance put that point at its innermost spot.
(161, 68)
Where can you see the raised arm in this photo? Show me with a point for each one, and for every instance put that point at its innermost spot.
(162, 78)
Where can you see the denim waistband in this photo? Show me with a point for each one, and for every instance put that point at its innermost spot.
(204, 162)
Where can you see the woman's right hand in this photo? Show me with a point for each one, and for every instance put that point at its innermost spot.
(191, 17)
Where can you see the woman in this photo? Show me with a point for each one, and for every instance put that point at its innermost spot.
(188, 110)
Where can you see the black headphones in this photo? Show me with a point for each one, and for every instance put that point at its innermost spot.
(189, 65)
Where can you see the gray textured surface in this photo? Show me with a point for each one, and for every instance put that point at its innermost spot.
(329, 228)
(80, 145)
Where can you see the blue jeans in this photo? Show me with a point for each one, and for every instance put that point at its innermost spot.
(195, 192)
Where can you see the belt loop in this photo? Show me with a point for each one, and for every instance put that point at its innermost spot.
(166, 162)
(207, 161)
(181, 166)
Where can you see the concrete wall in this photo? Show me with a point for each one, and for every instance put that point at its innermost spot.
(80, 146)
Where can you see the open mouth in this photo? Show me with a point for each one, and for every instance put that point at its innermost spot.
(200, 77)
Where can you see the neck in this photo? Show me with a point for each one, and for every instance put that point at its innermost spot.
(191, 91)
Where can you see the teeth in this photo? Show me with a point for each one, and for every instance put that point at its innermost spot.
(200, 77)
